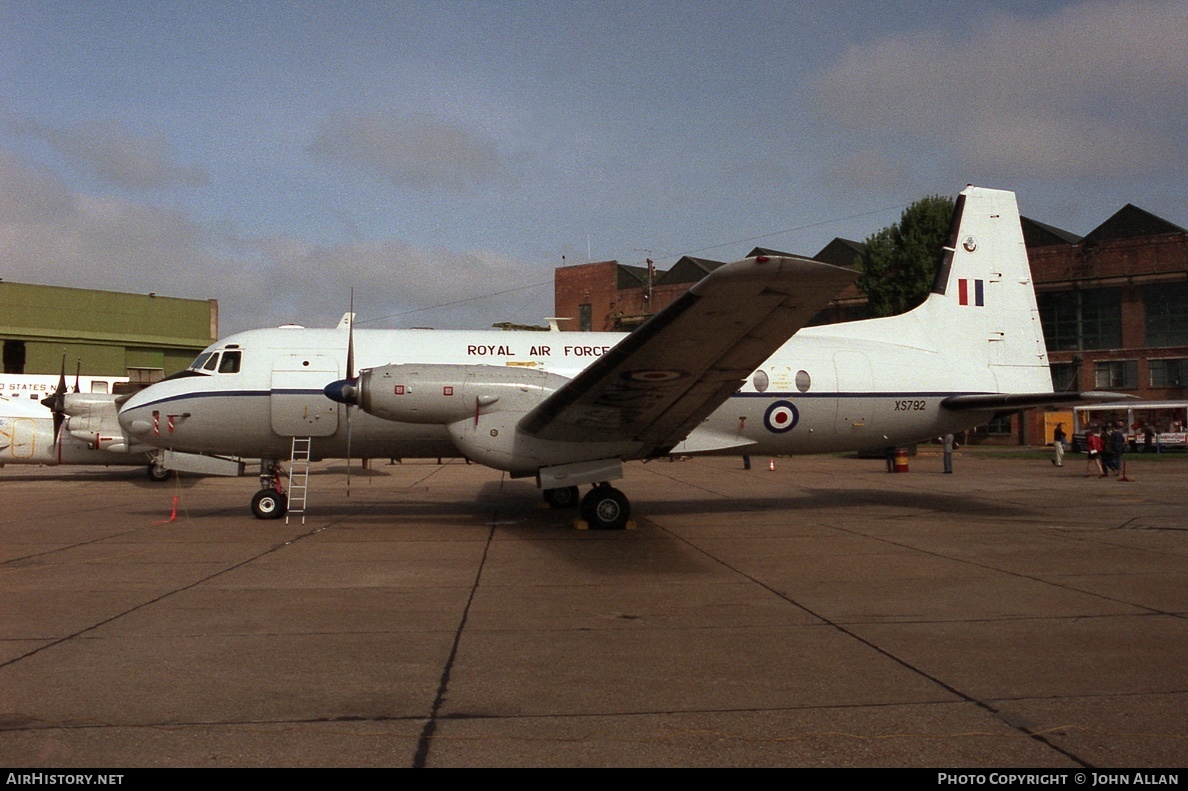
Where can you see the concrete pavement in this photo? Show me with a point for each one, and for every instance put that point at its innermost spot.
(825, 614)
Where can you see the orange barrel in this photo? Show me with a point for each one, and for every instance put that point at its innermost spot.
(901, 457)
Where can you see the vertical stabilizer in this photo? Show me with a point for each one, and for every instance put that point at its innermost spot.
(982, 306)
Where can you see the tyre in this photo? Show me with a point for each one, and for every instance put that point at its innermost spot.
(606, 508)
(158, 473)
(269, 504)
(565, 497)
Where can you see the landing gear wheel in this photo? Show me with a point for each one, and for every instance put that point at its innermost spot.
(565, 497)
(158, 473)
(605, 508)
(269, 504)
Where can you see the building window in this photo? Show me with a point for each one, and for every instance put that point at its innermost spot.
(1168, 373)
(1117, 375)
(584, 321)
(998, 427)
(1090, 319)
(1166, 306)
(14, 357)
(1065, 376)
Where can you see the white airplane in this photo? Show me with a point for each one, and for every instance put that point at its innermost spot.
(79, 428)
(727, 369)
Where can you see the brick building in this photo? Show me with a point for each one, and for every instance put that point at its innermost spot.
(1114, 305)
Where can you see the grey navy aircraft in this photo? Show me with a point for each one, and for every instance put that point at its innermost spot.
(729, 368)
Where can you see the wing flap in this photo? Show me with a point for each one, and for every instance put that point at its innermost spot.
(661, 381)
(1004, 401)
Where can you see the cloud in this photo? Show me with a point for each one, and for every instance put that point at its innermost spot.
(118, 155)
(1092, 89)
(52, 235)
(414, 151)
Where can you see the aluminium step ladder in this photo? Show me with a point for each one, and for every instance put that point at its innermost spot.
(298, 477)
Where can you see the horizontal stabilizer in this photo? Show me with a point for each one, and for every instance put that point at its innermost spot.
(1000, 401)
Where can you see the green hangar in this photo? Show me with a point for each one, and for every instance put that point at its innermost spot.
(142, 336)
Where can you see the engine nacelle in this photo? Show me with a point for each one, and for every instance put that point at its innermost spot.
(444, 394)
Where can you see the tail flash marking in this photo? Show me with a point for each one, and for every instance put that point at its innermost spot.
(979, 293)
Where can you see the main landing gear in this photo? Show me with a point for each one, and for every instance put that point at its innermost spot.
(565, 497)
(603, 508)
(270, 502)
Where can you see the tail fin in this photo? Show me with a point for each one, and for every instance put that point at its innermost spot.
(983, 300)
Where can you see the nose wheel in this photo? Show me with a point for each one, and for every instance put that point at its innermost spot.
(269, 504)
(605, 508)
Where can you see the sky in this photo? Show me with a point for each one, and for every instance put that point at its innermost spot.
(442, 158)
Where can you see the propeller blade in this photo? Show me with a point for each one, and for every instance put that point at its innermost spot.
(77, 371)
(350, 365)
(56, 403)
(350, 374)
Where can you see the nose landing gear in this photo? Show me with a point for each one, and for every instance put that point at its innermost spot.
(270, 502)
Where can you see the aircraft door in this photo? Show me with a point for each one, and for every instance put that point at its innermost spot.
(855, 393)
(299, 407)
(17, 438)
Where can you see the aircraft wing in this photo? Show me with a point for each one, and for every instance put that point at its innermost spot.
(1013, 401)
(662, 380)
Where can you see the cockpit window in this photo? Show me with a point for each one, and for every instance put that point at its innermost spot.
(230, 363)
(211, 363)
(200, 361)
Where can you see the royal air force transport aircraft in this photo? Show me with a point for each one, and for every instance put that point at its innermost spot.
(729, 368)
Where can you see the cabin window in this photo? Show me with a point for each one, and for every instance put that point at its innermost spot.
(760, 381)
(212, 363)
(229, 363)
(803, 381)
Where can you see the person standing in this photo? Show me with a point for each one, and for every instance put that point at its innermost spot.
(1093, 445)
(1118, 444)
(949, 444)
(1058, 440)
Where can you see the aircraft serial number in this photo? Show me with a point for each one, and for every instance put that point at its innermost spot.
(910, 406)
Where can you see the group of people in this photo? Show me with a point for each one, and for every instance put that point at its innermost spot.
(1105, 449)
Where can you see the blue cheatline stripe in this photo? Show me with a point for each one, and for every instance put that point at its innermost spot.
(767, 395)
(880, 394)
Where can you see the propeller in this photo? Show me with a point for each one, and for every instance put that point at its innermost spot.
(77, 371)
(350, 375)
(56, 403)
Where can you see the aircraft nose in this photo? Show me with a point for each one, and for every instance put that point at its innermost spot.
(131, 420)
(344, 391)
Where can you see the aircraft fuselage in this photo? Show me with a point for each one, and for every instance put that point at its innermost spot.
(816, 394)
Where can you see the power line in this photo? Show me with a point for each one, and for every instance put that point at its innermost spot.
(658, 255)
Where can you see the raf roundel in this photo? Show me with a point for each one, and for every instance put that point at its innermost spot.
(781, 416)
(651, 375)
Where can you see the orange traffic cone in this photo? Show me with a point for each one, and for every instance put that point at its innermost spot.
(771, 465)
(172, 515)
